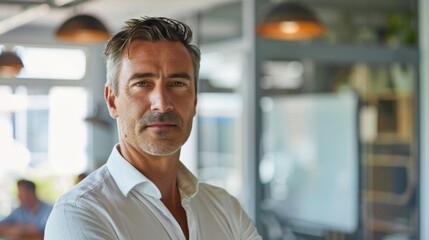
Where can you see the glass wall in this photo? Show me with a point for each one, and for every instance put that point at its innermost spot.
(369, 54)
(220, 120)
(221, 106)
(371, 51)
(386, 171)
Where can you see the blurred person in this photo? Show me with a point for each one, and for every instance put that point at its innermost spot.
(144, 191)
(28, 221)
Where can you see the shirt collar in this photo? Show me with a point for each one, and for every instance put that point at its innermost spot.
(188, 183)
(128, 177)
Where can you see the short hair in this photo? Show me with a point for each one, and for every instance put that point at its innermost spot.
(29, 185)
(151, 29)
(82, 175)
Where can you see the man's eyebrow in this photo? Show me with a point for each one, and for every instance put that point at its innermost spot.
(149, 75)
(180, 75)
(141, 75)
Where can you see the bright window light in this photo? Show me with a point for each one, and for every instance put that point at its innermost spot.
(52, 63)
(67, 130)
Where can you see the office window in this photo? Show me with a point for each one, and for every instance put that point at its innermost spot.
(43, 137)
(220, 121)
(52, 63)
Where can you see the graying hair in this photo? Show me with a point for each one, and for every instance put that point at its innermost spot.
(151, 29)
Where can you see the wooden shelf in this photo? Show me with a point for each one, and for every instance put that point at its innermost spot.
(386, 160)
(388, 226)
(389, 95)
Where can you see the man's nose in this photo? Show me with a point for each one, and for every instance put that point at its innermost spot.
(160, 99)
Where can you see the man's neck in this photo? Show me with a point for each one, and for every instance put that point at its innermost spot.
(174, 204)
(162, 171)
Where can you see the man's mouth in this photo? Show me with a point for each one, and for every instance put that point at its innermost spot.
(161, 125)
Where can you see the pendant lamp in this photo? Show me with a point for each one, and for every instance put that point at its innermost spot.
(289, 20)
(10, 64)
(83, 29)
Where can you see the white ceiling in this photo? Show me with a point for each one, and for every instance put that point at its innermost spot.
(112, 12)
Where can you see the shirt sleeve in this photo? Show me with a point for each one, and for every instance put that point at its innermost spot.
(70, 222)
(247, 229)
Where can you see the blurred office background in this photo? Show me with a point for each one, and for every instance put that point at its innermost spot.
(320, 137)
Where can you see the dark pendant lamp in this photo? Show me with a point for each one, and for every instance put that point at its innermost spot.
(10, 64)
(289, 20)
(83, 29)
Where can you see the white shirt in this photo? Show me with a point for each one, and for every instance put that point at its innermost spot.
(118, 202)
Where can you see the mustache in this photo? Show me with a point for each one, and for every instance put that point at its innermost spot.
(153, 117)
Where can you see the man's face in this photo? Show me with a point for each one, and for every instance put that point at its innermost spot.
(156, 98)
(24, 195)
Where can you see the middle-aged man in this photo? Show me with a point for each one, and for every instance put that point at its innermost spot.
(29, 219)
(144, 191)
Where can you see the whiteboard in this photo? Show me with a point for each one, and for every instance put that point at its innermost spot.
(310, 164)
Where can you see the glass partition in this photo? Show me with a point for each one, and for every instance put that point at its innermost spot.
(387, 146)
(220, 120)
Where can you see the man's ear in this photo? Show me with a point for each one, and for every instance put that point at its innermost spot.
(110, 98)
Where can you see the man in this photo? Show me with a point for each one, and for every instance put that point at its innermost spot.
(144, 191)
(29, 219)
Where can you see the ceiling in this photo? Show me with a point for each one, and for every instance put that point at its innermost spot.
(36, 20)
(39, 16)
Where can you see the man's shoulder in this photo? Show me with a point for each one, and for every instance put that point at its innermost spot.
(216, 200)
(45, 206)
(19, 211)
(93, 187)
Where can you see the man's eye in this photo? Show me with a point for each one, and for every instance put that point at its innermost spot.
(178, 84)
(141, 84)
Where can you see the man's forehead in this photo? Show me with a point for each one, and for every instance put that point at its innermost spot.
(139, 46)
(151, 51)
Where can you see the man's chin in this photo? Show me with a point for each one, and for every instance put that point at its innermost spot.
(161, 152)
